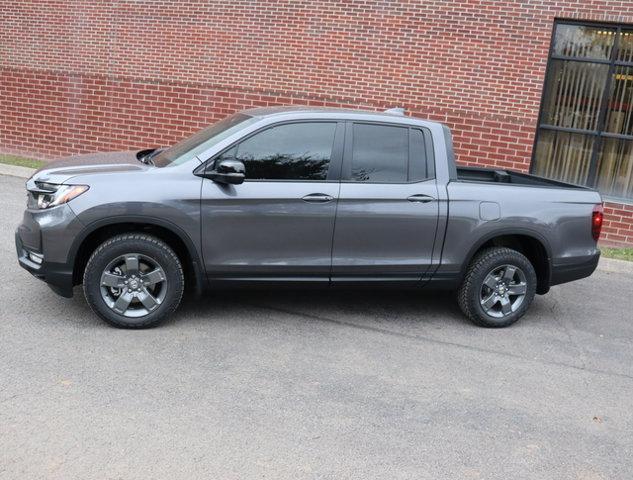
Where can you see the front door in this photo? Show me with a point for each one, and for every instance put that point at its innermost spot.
(278, 224)
(388, 210)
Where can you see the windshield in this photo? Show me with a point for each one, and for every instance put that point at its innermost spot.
(197, 143)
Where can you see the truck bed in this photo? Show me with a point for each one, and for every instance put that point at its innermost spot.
(491, 175)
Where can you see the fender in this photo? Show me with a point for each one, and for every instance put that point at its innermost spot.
(159, 222)
(505, 232)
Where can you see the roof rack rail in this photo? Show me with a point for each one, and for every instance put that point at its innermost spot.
(396, 111)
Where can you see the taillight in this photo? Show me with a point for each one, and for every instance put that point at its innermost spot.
(597, 217)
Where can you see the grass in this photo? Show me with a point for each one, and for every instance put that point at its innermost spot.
(21, 161)
(619, 253)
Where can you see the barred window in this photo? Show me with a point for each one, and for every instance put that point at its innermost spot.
(585, 132)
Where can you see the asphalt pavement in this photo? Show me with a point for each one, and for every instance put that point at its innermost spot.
(323, 384)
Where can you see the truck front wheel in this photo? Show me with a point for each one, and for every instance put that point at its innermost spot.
(133, 280)
(498, 287)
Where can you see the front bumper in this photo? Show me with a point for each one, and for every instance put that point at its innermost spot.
(581, 268)
(59, 277)
(49, 235)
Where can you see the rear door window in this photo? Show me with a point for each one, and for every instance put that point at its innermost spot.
(379, 153)
(386, 154)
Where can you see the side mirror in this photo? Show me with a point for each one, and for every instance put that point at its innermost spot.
(227, 171)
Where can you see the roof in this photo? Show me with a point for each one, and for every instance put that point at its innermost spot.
(267, 112)
(270, 111)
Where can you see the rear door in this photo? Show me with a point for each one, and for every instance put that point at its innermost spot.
(279, 223)
(387, 213)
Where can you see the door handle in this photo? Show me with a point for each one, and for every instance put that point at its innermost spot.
(317, 198)
(420, 198)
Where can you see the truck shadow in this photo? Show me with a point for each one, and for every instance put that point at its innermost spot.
(370, 306)
(329, 304)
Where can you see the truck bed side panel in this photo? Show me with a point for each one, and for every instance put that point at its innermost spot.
(560, 218)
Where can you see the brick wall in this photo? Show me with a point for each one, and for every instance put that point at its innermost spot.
(103, 74)
(618, 227)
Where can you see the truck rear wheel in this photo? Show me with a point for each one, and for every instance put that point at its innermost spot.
(133, 280)
(498, 287)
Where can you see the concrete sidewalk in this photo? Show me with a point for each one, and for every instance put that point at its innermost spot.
(16, 171)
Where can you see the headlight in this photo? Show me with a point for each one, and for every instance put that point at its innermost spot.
(48, 195)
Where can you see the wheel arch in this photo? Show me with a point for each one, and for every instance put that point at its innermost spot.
(97, 232)
(531, 244)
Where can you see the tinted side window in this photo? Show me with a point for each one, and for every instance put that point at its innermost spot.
(380, 153)
(417, 157)
(296, 151)
(390, 154)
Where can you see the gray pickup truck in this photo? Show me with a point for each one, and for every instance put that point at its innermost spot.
(277, 196)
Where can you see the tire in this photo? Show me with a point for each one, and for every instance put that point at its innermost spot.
(490, 292)
(133, 280)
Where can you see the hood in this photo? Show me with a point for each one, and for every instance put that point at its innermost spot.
(61, 171)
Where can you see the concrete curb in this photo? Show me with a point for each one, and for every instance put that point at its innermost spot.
(615, 266)
(15, 171)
